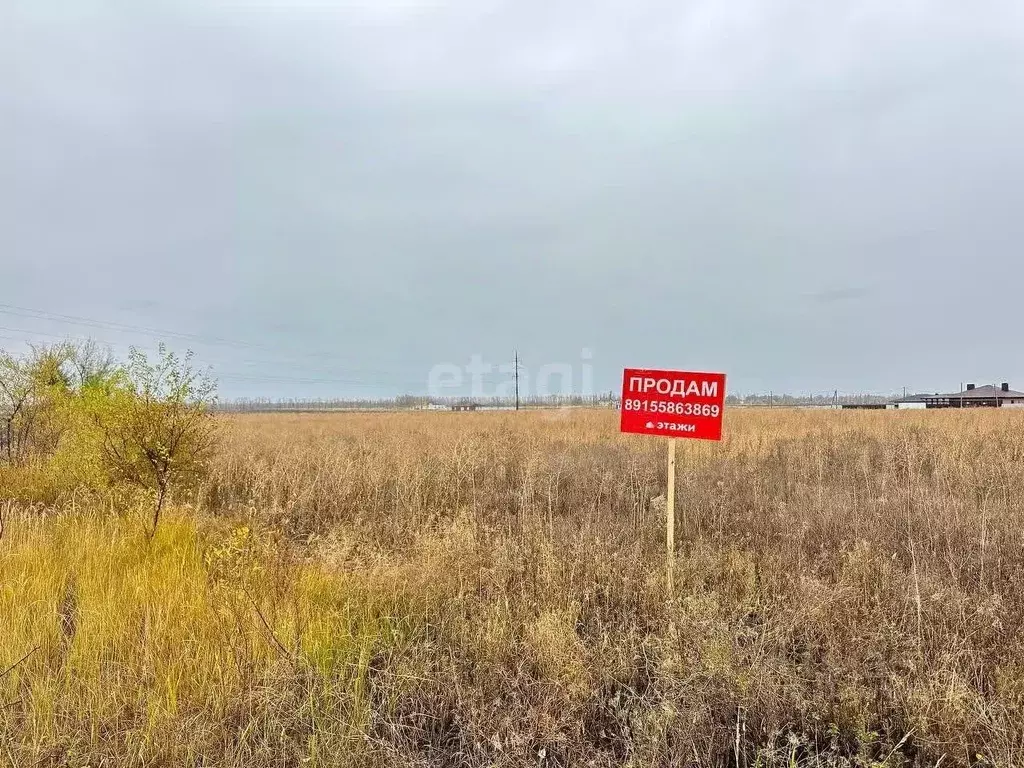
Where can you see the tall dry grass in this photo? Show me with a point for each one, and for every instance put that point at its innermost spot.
(487, 589)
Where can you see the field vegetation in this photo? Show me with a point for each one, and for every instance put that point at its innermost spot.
(487, 589)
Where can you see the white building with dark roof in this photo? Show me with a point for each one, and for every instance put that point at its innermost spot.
(987, 396)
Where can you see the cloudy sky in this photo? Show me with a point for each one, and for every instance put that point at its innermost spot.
(332, 197)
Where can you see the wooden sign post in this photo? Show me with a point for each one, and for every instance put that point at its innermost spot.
(670, 514)
(672, 404)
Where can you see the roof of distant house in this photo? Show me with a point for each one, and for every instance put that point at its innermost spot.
(988, 391)
(914, 398)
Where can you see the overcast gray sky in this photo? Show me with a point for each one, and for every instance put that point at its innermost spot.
(332, 197)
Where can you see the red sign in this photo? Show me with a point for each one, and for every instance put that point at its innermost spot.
(673, 403)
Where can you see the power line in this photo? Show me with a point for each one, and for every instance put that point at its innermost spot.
(39, 314)
(366, 377)
(229, 375)
(384, 380)
(310, 380)
(517, 377)
(326, 371)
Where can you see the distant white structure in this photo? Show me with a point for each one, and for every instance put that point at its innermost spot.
(988, 396)
(909, 402)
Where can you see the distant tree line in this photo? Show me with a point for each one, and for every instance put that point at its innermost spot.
(604, 399)
(823, 400)
(414, 402)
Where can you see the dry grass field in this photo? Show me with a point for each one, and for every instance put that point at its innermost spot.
(488, 589)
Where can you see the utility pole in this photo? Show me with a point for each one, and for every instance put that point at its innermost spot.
(517, 378)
